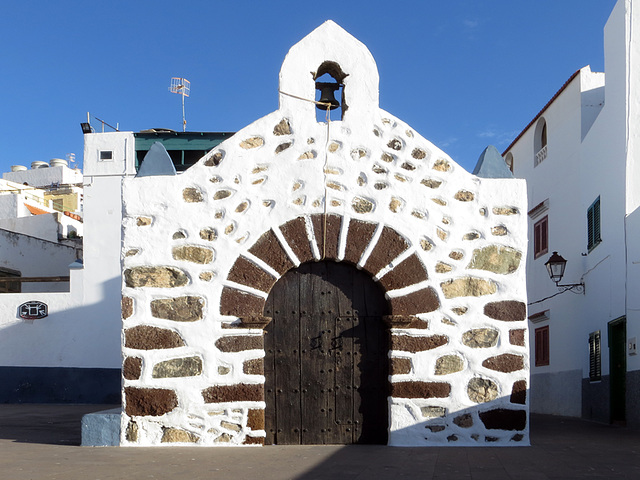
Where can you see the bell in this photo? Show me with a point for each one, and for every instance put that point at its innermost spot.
(327, 96)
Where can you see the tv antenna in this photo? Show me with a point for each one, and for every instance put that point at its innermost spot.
(181, 86)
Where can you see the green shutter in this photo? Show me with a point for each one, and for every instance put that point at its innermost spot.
(593, 224)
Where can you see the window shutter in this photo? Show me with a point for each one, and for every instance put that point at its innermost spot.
(596, 221)
(595, 363)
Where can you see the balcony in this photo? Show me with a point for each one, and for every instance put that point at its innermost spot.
(540, 156)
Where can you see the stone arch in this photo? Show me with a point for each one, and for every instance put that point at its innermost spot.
(317, 237)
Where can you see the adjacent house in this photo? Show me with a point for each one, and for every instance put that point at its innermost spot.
(580, 156)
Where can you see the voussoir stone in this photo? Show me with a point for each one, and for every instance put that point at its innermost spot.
(468, 287)
(191, 253)
(155, 277)
(496, 259)
(180, 309)
(481, 390)
(480, 338)
(507, 310)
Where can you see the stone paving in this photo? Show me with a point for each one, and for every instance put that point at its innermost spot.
(41, 442)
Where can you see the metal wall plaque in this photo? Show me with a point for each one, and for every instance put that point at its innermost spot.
(33, 310)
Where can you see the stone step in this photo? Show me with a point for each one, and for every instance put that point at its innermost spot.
(101, 429)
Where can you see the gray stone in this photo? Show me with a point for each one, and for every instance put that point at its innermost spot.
(190, 253)
(468, 287)
(178, 367)
(480, 338)
(496, 259)
(449, 364)
(433, 412)
(156, 277)
(179, 309)
(481, 390)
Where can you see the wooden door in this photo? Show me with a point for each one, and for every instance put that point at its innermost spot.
(617, 369)
(326, 362)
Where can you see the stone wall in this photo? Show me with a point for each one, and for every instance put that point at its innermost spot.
(202, 250)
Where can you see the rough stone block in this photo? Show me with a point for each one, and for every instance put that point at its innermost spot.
(240, 304)
(255, 419)
(406, 343)
(496, 259)
(149, 401)
(507, 311)
(480, 338)
(193, 254)
(155, 277)
(234, 393)
(400, 366)
(420, 389)
(516, 337)
(253, 366)
(422, 301)
(132, 368)
(177, 435)
(146, 337)
(239, 343)
(178, 367)
(468, 287)
(179, 309)
(506, 363)
(503, 419)
(127, 307)
(449, 364)
(519, 392)
(481, 390)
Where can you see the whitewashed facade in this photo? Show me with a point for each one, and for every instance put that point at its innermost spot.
(583, 147)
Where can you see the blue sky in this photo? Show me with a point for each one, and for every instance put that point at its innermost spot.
(462, 73)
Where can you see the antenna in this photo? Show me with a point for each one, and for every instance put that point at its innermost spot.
(181, 86)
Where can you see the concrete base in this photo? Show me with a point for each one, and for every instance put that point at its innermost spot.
(101, 429)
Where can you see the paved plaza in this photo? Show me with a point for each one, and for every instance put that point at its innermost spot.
(42, 442)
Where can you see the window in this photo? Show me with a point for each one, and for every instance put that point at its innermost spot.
(509, 161)
(542, 346)
(106, 156)
(7, 286)
(594, 356)
(541, 237)
(540, 142)
(593, 225)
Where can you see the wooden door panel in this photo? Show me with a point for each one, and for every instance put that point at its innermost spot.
(325, 359)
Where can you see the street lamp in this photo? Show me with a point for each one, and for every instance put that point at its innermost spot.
(555, 267)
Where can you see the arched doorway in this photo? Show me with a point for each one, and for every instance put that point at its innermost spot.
(326, 363)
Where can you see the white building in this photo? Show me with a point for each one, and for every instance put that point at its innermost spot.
(582, 168)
